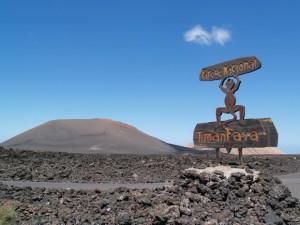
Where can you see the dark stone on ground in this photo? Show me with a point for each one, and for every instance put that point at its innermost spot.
(190, 200)
(51, 166)
(193, 199)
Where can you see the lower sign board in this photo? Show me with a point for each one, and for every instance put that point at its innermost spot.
(255, 133)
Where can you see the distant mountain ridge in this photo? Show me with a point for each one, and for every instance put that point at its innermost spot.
(88, 136)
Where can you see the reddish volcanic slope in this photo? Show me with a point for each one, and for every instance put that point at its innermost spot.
(88, 136)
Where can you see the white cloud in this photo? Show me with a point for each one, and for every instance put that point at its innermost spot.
(201, 36)
(198, 35)
(220, 35)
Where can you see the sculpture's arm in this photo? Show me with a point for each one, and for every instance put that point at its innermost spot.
(221, 86)
(237, 85)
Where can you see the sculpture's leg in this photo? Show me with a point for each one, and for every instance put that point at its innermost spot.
(219, 112)
(241, 110)
(242, 115)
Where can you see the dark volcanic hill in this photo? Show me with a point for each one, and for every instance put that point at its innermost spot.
(88, 136)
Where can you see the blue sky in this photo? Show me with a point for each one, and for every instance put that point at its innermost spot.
(132, 61)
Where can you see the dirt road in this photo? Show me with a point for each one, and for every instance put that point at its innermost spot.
(82, 186)
(292, 181)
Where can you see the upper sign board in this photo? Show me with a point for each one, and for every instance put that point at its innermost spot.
(230, 68)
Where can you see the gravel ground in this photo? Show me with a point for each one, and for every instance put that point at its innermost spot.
(56, 167)
(193, 199)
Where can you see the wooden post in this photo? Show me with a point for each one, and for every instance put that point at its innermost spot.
(218, 154)
(228, 150)
(241, 155)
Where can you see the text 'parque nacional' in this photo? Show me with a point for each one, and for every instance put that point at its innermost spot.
(230, 68)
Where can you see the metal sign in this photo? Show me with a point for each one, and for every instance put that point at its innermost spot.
(257, 133)
(230, 68)
(237, 132)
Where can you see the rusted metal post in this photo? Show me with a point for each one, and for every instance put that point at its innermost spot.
(228, 150)
(218, 154)
(240, 155)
